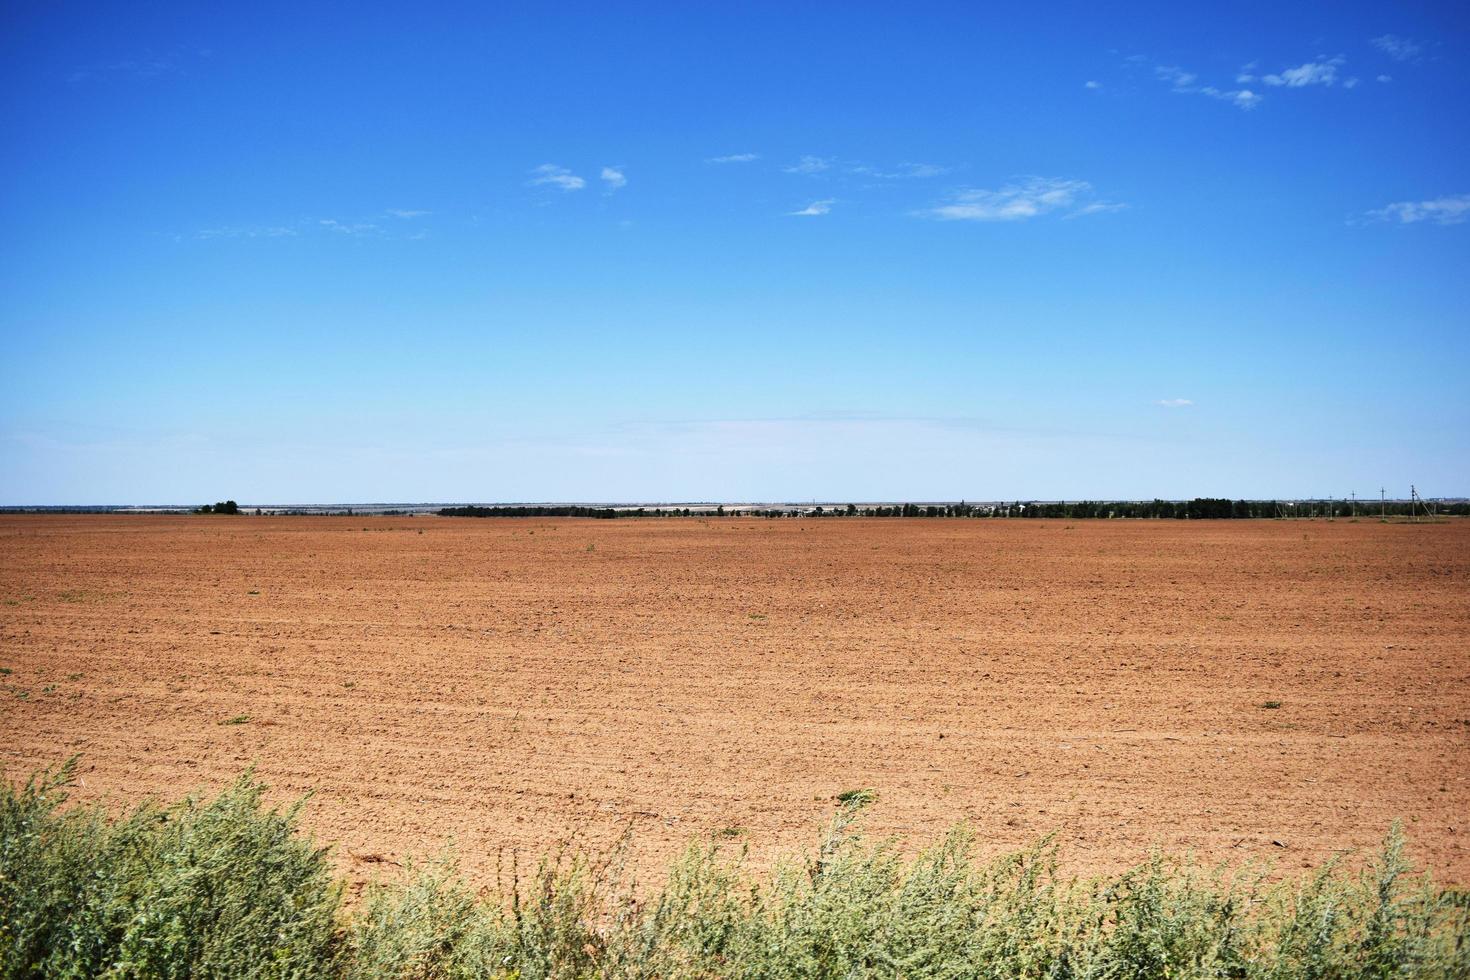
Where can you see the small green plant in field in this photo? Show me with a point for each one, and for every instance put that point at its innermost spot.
(1271, 704)
(253, 592)
(73, 677)
(857, 798)
(757, 615)
(5, 671)
(237, 720)
(591, 547)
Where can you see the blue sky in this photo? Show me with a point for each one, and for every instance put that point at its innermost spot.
(685, 252)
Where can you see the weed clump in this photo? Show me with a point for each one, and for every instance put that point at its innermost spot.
(218, 888)
(231, 888)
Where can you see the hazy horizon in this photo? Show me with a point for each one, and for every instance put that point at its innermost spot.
(426, 505)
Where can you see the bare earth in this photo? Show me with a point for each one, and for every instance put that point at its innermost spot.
(504, 683)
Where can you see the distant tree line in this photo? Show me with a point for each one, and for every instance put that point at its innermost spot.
(1200, 508)
(560, 510)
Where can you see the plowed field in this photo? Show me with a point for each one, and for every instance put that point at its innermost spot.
(506, 683)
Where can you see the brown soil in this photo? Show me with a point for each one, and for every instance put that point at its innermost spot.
(504, 683)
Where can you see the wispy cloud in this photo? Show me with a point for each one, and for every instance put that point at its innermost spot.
(1385, 78)
(141, 68)
(245, 231)
(1176, 76)
(1092, 85)
(556, 176)
(1452, 210)
(1187, 83)
(1175, 402)
(318, 226)
(809, 165)
(735, 158)
(902, 171)
(175, 61)
(613, 178)
(1398, 48)
(815, 209)
(1097, 207)
(1030, 197)
(349, 228)
(1320, 72)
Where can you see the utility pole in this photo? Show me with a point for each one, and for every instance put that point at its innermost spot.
(1355, 504)
(1383, 503)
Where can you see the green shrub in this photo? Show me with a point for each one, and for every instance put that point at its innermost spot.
(230, 888)
(219, 889)
(432, 926)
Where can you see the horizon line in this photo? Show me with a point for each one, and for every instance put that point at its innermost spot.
(426, 505)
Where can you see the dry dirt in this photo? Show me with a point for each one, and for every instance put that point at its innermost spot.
(504, 683)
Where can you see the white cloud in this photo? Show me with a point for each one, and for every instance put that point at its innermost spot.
(614, 178)
(735, 158)
(1175, 76)
(1185, 83)
(247, 231)
(1030, 197)
(1097, 207)
(305, 226)
(1175, 402)
(1452, 210)
(902, 171)
(561, 177)
(1398, 48)
(1385, 78)
(815, 209)
(1321, 72)
(349, 228)
(148, 67)
(922, 170)
(1092, 85)
(809, 165)
(405, 213)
